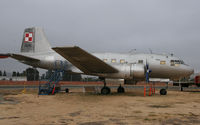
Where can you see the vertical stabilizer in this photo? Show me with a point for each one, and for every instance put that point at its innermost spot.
(34, 40)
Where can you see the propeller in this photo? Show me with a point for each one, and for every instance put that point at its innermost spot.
(148, 71)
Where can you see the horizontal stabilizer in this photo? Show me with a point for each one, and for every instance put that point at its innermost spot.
(4, 56)
(19, 57)
(85, 61)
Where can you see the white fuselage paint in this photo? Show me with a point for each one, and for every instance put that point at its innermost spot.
(52, 60)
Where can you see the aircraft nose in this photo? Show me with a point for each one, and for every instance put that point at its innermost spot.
(190, 70)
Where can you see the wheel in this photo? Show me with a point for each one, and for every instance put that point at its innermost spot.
(105, 90)
(181, 88)
(163, 92)
(67, 90)
(120, 89)
(43, 92)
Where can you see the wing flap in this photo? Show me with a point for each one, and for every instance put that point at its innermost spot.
(85, 61)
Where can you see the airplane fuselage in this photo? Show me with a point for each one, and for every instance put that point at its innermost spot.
(130, 66)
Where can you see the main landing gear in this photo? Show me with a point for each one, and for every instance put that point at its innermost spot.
(121, 89)
(105, 90)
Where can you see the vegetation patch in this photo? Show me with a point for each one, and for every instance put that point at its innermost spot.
(137, 111)
(93, 123)
(159, 106)
(74, 114)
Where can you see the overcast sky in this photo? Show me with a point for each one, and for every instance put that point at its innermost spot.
(164, 26)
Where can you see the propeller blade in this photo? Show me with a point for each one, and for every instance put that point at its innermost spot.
(147, 72)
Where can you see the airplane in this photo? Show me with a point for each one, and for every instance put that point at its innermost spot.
(37, 52)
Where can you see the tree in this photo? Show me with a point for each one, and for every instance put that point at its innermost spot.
(14, 73)
(32, 74)
(4, 73)
(0, 73)
(23, 73)
(18, 74)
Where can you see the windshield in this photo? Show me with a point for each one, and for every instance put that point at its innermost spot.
(177, 62)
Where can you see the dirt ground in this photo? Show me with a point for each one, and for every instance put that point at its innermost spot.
(76, 108)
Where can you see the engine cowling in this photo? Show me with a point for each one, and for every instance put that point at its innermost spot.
(128, 71)
(137, 71)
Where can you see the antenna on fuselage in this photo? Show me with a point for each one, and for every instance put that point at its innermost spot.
(150, 50)
(133, 51)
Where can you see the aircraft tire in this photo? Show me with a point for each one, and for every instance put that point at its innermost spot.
(163, 92)
(121, 89)
(67, 90)
(181, 88)
(42, 91)
(105, 90)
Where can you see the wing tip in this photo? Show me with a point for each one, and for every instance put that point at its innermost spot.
(3, 56)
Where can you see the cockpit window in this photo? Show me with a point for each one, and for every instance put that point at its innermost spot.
(175, 62)
(182, 62)
(140, 61)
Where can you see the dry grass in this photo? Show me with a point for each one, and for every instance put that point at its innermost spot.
(95, 109)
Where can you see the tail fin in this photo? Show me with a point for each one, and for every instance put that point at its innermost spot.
(34, 40)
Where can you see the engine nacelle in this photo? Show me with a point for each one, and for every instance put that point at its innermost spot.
(137, 71)
(127, 71)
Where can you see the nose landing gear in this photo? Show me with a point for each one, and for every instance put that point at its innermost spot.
(163, 92)
(121, 89)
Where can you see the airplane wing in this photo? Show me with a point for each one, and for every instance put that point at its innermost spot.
(19, 57)
(84, 60)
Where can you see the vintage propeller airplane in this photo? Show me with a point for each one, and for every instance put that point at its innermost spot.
(37, 52)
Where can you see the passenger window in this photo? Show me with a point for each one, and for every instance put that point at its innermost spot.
(140, 61)
(105, 60)
(162, 62)
(113, 60)
(172, 63)
(122, 61)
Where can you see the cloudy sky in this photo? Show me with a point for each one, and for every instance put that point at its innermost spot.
(164, 26)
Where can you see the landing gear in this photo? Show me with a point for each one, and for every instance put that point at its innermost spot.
(181, 88)
(163, 92)
(105, 90)
(66, 90)
(120, 89)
